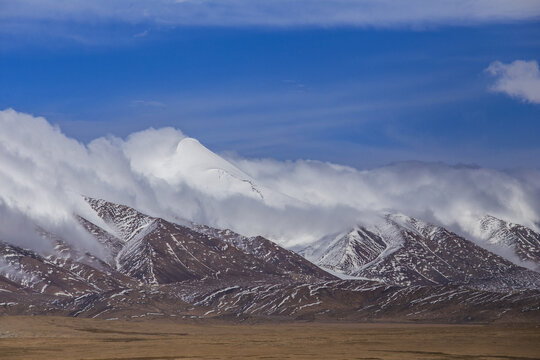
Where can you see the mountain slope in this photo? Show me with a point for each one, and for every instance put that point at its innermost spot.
(54, 275)
(286, 261)
(405, 251)
(523, 242)
(124, 221)
(154, 268)
(163, 252)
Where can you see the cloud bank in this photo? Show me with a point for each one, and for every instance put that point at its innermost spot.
(44, 173)
(519, 79)
(378, 13)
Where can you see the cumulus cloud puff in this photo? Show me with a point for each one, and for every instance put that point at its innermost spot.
(275, 12)
(44, 173)
(519, 79)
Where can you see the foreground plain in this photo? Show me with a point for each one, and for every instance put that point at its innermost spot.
(45, 337)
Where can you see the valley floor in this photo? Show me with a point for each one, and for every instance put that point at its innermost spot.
(43, 337)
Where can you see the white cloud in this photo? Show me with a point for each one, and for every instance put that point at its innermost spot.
(159, 171)
(141, 34)
(276, 12)
(519, 79)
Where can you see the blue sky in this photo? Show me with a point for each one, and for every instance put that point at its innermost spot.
(345, 91)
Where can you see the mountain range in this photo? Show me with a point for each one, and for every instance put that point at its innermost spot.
(400, 268)
(120, 261)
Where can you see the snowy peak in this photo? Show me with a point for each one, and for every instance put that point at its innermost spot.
(192, 155)
(406, 251)
(193, 164)
(519, 240)
(403, 222)
(124, 221)
(350, 252)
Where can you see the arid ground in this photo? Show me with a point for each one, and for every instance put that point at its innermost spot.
(68, 338)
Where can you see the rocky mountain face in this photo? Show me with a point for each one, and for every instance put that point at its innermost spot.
(156, 251)
(519, 240)
(398, 269)
(405, 251)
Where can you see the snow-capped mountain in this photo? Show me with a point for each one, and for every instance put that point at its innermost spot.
(193, 164)
(157, 251)
(406, 251)
(399, 268)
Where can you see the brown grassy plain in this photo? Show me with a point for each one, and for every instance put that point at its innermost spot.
(44, 337)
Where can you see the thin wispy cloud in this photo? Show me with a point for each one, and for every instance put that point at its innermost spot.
(519, 79)
(378, 13)
(150, 103)
(141, 34)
